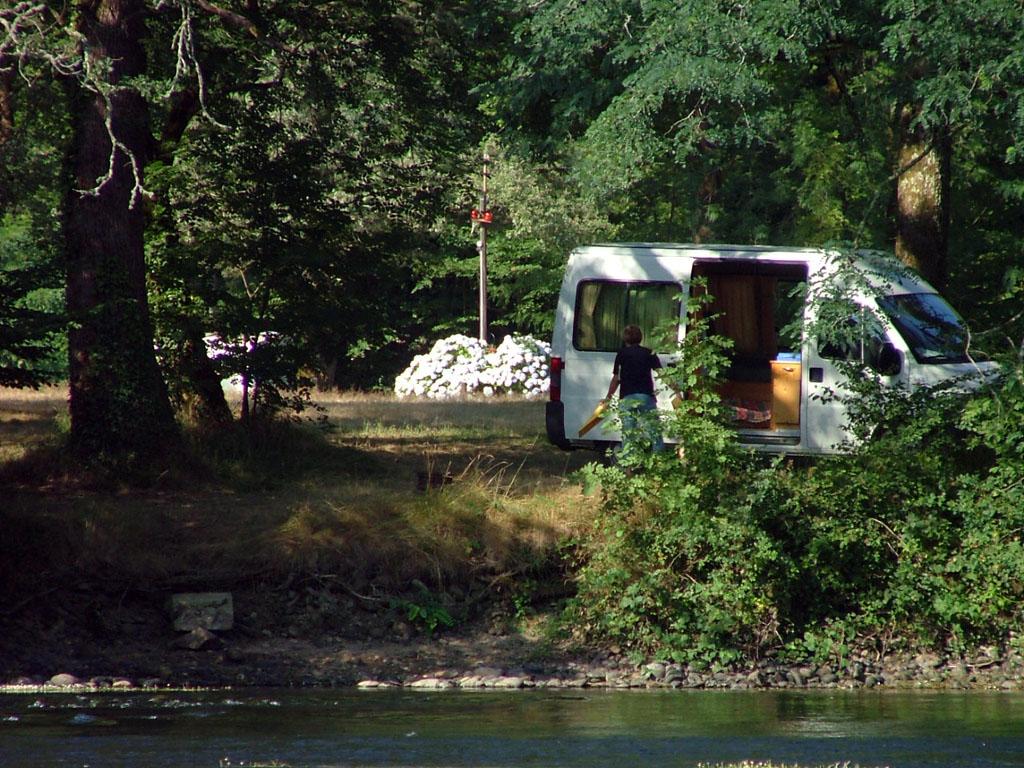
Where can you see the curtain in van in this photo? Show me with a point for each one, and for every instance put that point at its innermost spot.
(746, 308)
(605, 308)
(651, 306)
(736, 305)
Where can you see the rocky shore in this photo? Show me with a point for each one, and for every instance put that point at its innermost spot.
(922, 671)
(268, 639)
(414, 668)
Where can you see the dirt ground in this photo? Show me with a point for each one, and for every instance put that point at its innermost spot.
(104, 622)
(276, 641)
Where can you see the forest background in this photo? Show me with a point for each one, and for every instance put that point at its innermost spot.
(174, 169)
(303, 173)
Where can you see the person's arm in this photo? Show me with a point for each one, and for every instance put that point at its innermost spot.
(612, 387)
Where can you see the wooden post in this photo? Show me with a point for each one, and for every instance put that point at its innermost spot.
(482, 218)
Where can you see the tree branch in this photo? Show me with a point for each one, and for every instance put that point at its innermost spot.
(231, 18)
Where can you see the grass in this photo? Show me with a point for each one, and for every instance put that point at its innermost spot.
(28, 419)
(349, 499)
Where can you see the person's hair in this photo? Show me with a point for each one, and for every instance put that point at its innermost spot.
(632, 334)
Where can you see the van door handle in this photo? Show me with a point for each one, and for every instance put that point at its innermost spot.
(817, 375)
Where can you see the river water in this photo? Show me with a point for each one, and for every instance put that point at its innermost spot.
(591, 729)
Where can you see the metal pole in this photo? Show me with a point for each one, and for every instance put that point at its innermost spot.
(482, 248)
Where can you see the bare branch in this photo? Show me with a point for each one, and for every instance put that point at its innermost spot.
(138, 191)
(26, 31)
(231, 18)
(187, 61)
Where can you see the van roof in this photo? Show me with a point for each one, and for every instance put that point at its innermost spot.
(880, 267)
(723, 247)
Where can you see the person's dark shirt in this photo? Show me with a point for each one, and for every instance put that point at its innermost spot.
(633, 366)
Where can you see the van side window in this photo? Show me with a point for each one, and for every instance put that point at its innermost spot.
(604, 308)
(856, 343)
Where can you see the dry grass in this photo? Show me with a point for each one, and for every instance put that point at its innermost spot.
(29, 418)
(348, 501)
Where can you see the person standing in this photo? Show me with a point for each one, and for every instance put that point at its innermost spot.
(633, 377)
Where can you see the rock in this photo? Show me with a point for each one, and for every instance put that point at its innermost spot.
(695, 680)
(509, 682)
(673, 676)
(486, 672)
(202, 610)
(64, 680)
(655, 670)
(432, 683)
(122, 683)
(959, 671)
(199, 639)
(928, 661)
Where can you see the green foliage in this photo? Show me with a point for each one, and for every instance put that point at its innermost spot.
(32, 348)
(773, 122)
(915, 536)
(313, 180)
(300, 212)
(30, 310)
(541, 214)
(426, 610)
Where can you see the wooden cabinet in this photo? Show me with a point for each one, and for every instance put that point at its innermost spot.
(785, 394)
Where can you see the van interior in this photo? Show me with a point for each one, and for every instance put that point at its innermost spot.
(760, 307)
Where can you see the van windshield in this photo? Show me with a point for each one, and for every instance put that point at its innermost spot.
(932, 328)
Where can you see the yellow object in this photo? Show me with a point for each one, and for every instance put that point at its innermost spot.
(785, 394)
(595, 418)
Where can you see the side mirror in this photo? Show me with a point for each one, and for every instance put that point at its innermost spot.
(886, 360)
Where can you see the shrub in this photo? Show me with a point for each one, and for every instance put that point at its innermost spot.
(459, 365)
(915, 537)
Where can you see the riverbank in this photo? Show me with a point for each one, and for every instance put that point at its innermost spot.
(412, 544)
(342, 544)
(271, 647)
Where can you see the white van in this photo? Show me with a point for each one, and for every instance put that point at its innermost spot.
(778, 388)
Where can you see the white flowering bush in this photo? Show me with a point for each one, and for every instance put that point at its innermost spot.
(460, 365)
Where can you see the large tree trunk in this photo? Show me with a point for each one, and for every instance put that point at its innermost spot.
(922, 200)
(119, 402)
